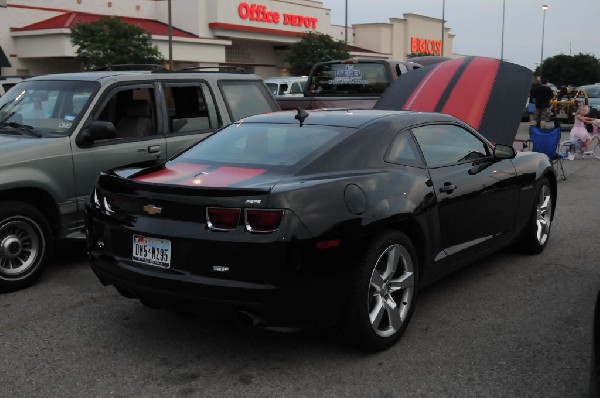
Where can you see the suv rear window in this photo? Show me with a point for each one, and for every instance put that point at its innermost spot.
(244, 98)
(349, 79)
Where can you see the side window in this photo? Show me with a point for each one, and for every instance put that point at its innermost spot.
(282, 88)
(296, 88)
(445, 144)
(404, 150)
(132, 111)
(190, 107)
(244, 98)
(272, 87)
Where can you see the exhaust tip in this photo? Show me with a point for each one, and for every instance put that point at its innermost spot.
(248, 318)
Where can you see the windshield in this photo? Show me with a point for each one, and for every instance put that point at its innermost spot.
(349, 79)
(263, 144)
(46, 107)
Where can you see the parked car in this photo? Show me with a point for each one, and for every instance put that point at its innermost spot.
(326, 217)
(565, 103)
(593, 94)
(287, 86)
(57, 132)
(350, 83)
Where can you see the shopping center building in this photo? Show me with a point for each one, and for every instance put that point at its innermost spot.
(35, 34)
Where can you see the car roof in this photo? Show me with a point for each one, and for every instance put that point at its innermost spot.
(352, 118)
(143, 75)
(286, 79)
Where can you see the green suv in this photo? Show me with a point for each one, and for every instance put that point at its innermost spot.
(57, 132)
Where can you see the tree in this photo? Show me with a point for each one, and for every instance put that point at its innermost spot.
(313, 48)
(109, 41)
(576, 70)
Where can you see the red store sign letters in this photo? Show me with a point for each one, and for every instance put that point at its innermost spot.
(258, 12)
(418, 45)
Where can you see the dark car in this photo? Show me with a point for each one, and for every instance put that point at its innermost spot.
(320, 218)
(337, 221)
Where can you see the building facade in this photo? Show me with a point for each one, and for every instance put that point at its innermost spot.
(35, 34)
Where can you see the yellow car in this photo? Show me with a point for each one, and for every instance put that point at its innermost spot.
(565, 103)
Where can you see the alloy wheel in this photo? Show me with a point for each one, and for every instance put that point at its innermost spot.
(543, 214)
(391, 290)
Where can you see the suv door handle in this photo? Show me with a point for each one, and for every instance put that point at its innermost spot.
(448, 187)
(154, 149)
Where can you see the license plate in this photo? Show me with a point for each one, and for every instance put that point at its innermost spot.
(151, 251)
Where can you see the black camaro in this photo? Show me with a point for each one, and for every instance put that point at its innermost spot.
(321, 218)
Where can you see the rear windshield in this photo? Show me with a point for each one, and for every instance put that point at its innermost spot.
(349, 79)
(264, 144)
(246, 97)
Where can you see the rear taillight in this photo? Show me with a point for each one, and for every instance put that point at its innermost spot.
(222, 219)
(107, 202)
(259, 220)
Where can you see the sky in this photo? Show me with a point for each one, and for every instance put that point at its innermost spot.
(570, 27)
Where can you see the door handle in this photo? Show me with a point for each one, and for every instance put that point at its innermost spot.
(154, 149)
(448, 187)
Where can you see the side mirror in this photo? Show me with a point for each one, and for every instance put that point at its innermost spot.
(504, 152)
(96, 130)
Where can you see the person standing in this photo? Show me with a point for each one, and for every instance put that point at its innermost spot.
(542, 94)
(531, 103)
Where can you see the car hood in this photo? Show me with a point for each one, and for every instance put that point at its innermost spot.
(486, 93)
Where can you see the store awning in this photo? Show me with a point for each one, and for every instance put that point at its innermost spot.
(70, 19)
(4, 63)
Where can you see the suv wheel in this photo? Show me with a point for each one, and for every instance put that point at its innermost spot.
(25, 245)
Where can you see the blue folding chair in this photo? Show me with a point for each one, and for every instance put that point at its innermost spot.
(547, 141)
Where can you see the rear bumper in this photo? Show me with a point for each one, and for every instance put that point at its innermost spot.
(309, 297)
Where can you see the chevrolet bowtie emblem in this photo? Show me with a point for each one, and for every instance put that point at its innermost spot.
(152, 210)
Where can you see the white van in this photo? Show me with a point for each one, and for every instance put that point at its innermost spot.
(287, 86)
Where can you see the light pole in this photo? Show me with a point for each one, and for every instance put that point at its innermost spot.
(346, 24)
(544, 8)
(443, 16)
(502, 43)
(170, 36)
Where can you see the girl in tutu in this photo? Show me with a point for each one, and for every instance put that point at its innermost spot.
(579, 132)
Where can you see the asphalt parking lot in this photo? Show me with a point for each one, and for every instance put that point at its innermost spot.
(507, 326)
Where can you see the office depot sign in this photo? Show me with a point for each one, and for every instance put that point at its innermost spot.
(418, 45)
(259, 13)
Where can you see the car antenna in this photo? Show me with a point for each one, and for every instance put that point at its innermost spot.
(301, 115)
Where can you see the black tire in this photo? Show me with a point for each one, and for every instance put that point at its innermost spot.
(536, 233)
(26, 244)
(384, 281)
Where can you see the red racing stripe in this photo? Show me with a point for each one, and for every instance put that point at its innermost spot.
(471, 93)
(173, 172)
(223, 177)
(428, 93)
